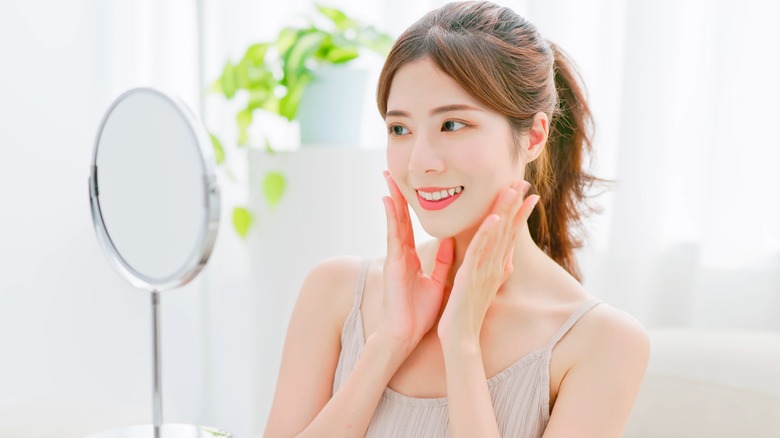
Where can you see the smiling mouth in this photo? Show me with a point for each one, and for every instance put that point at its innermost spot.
(439, 195)
(438, 199)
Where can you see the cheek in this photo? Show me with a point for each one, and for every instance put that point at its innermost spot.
(398, 165)
(397, 162)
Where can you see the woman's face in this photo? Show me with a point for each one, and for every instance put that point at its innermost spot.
(449, 154)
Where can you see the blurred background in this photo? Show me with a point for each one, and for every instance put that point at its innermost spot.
(684, 95)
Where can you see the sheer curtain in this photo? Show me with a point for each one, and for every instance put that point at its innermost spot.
(684, 100)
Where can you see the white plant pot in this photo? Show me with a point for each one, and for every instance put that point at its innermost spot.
(338, 108)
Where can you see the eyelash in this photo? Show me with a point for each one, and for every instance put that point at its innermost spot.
(391, 128)
(455, 121)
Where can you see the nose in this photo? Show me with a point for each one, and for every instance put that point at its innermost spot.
(425, 157)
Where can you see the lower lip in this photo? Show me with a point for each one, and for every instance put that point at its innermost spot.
(437, 205)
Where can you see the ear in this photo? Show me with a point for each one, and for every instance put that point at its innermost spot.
(537, 137)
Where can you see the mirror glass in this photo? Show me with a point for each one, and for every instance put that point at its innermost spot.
(156, 206)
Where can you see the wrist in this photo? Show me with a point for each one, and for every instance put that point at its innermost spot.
(459, 344)
(454, 334)
(397, 346)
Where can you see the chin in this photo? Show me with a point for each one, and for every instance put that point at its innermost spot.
(444, 227)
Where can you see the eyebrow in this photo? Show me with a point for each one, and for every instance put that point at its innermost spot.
(436, 111)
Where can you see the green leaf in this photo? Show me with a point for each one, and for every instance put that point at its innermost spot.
(242, 219)
(241, 75)
(303, 49)
(268, 147)
(255, 54)
(215, 432)
(216, 86)
(263, 99)
(339, 18)
(219, 151)
(261, 79)
(338, 55)
(273, 188)
(271, 104)
(244, 119)
(286, 39)
(288, 105)
(228, 80)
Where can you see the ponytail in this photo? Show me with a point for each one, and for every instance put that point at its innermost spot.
(558, 176)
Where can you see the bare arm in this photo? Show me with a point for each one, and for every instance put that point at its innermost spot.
(486, 265)
(411, 300)
(302, 403)
(470, 406)
(597, 393)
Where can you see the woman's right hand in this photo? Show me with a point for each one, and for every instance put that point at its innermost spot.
(411, 299)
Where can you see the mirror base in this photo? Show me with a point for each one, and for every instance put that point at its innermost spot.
(165, 431)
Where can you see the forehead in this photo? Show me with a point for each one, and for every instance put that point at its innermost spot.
(420, 85)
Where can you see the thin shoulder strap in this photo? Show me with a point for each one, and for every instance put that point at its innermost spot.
(582, 310)
(360, 283)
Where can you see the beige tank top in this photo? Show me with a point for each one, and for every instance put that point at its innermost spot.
(520, 393)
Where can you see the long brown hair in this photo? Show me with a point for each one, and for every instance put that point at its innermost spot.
(500, 59)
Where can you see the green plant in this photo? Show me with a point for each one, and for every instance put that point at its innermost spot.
(275, 74)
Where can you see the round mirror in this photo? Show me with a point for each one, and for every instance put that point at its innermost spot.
(155, 207)
(153, 191)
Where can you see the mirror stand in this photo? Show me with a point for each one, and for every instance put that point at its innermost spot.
(155, 208)
(157, 413)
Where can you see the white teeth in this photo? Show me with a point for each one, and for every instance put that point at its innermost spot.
(442, 194)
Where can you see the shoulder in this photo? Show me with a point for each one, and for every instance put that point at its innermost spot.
(329, 287)
(613, 333)
(334, 271)
(607, 343)
(604, 359)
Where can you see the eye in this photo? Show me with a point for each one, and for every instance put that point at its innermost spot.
(452, 125)
(397, 130)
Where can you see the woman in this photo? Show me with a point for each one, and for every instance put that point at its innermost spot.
(485, 331)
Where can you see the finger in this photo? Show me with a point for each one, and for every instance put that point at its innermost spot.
(521, 218)
(405, 230)
(507, 231)
(445, 255)
(502, 206)
(517, 212)
(393, 239)
(521, 188)
(509, 265)
(527, 207)
(513, 199)
(399, 199)
(479, 248)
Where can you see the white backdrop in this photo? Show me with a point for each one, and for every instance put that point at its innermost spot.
(684, 95)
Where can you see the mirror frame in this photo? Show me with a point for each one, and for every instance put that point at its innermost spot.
(198, 258)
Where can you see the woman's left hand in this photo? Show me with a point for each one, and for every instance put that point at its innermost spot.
(486, 265)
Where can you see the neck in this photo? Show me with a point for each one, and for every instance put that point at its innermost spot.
(526, 254)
